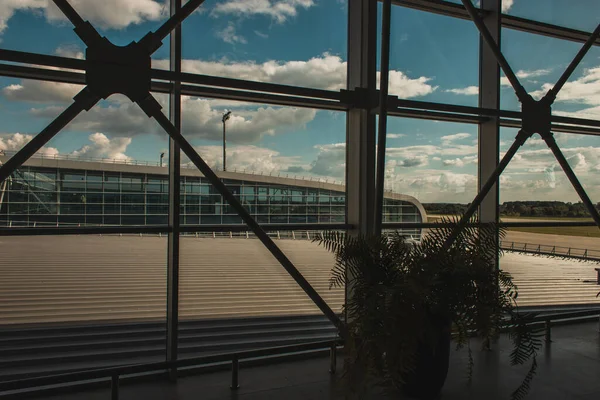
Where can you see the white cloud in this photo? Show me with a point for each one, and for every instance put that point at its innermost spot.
(200, 119)
(468, 91)
(330, 161)
(116, 14)
(8, 8)
(261, 34)
(395, 135)
(35, 91)
(457, 162)
(103, 147)
(584, 90)
(70, 52)
(449, 139)
(278, 10)
(324, 72)
(229, 35)
(403, 86)
(525, 74)
(506, 5)
(16, 141)
(100, 146)
(247, 158)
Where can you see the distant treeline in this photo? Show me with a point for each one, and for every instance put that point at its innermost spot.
(519, 209)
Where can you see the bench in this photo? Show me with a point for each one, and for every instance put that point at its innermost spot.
(598, 272)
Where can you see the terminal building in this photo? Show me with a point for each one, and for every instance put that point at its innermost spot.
(58, 191)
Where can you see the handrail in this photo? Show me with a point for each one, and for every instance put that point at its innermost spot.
(115, 372)
(131, 369)
(129, 161)
(535, 248)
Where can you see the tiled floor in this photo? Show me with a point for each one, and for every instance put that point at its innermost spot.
(568, 369)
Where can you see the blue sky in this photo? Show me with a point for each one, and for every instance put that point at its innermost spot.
(303, 42)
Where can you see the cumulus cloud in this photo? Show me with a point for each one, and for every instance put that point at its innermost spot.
(103, 147)
(395, 135)
(468, 91)
(34, 91)
(16, 141)
(525, 74)
(248, 158)
(584, 90)
(115, 14)
(507, 5)
(200, 119)
(278, 10)
(448, 139)
(229, 35)
(330, 160)
(100, 146)
(326, 71)
(457, 162)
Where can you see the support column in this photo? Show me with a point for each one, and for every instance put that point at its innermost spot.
(174, 201)
(489, 97)
(360, 122)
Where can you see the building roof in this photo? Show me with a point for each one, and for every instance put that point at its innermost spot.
(137, 167)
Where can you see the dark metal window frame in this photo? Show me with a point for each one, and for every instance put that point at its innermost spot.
(359, 101)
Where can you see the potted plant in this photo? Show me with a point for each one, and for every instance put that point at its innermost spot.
(409, 299)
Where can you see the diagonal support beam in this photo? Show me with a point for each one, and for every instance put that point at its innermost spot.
(176, 19)
(83, 101)
(153, 109)
(520, 140)
(489, 39)
(551, 142)
(552, 93)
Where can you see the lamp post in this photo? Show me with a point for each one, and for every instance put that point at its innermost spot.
(226, 116)
(162, 155)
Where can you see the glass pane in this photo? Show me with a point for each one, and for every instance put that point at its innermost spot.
(426, 63)
(300, 43)
(580, 15)
(538, 61)
(70, 304)
(274, 156)
(544, 281)
(248, 300)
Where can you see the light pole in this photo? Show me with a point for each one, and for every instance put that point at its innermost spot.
(226, 116)
(162, 155)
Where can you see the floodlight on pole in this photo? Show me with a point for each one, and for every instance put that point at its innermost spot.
(226, 116)
(162, 155)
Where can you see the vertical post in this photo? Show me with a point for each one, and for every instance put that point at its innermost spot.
(489, 97)
(114, 387)
(360, 122)
(174, 202)
(224, 147)
(333, 358)
(384, 67)
(235, 371)
(548, 333)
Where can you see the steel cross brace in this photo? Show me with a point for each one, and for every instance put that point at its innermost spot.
(127, 70)
(536, 118)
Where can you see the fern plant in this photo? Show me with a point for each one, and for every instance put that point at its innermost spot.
(402, 291)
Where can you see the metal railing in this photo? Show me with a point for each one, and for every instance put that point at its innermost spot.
(67, 157)
(115, 373)
(534, 248)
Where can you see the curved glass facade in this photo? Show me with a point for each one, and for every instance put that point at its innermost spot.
(50, 196)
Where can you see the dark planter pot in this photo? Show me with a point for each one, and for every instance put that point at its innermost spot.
(431, 368)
